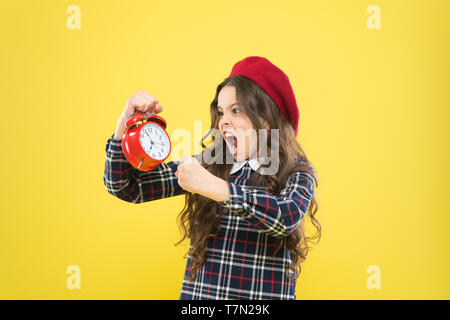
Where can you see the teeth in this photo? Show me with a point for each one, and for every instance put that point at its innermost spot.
(229, 138)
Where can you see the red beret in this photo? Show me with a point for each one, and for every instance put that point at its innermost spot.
(273, 81)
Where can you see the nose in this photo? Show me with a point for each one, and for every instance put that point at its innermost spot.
(225, 120)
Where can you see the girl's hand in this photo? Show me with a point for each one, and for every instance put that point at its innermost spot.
(139, 102)
(193, 177)
(142, 102)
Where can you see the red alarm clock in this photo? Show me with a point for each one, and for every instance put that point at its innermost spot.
(146, 143)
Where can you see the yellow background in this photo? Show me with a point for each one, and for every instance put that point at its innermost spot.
(374, 111)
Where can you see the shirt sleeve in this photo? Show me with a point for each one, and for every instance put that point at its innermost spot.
(275, 215)
(127, 183)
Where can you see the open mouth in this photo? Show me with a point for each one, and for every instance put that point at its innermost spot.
(231, 141)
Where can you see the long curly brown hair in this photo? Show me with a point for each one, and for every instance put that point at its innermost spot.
(199, 220)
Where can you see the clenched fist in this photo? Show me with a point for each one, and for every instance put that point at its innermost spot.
(193, 177)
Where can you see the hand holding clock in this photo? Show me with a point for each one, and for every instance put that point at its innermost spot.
(140, 101)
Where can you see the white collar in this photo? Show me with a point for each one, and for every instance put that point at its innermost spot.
(254, 164)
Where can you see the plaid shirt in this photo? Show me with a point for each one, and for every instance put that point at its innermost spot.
(240, 261)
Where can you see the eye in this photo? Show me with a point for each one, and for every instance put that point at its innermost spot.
(219, 113)
(236, 109)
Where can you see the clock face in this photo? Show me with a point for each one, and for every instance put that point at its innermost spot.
(154, 141)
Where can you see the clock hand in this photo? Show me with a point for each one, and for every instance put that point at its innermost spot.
(160, 143)
(153, 146)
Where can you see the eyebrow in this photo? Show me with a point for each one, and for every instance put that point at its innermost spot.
(229, 105)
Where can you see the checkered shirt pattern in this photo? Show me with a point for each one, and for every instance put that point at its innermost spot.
(240, 260)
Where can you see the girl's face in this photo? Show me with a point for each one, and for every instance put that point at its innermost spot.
(236, 128)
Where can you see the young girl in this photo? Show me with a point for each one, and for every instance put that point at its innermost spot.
(246, 227)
